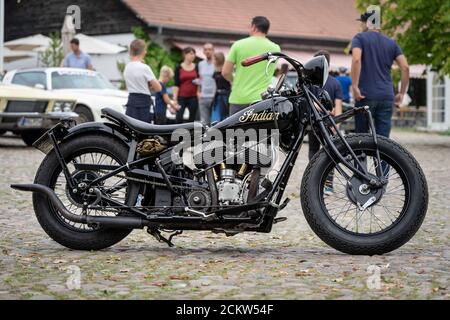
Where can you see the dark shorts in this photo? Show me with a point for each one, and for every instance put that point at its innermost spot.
(138, 107)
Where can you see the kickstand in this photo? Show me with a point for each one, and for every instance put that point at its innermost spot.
(157, 234)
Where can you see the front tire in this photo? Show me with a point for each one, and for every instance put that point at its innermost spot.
(411, 212)
(63, 232)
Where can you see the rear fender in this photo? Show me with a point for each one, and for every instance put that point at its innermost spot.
(61, 133)
(110, 129)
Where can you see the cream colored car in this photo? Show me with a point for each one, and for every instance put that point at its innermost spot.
(29, 112)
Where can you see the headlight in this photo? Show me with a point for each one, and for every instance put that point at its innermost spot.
(62, 106)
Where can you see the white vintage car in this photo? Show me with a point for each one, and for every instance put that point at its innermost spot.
(92, 90)
(29, 112)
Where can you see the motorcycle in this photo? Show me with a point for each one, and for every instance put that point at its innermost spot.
(361, 193)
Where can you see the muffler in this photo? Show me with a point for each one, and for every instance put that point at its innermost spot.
(111, 222)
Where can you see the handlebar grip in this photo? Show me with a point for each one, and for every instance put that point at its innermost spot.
(252, 60)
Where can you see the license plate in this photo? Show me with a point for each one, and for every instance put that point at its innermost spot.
(30, 122)
(45, 143)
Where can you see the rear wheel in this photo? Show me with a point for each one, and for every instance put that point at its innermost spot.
(333, 201)
(89, 149)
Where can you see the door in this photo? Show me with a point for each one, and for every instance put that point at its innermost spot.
(438, 105)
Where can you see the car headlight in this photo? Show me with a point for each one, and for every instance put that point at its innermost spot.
(62, 106)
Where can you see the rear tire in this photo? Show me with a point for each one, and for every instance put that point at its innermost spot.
(386, 240)
(49, 218)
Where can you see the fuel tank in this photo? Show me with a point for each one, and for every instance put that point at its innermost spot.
(277, 112)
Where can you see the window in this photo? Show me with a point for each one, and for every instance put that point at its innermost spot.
(438, 100)
(30, 79)
(79, 80)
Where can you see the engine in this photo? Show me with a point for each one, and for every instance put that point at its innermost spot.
(229, 187)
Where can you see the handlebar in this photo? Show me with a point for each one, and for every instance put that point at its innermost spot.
(252, 60)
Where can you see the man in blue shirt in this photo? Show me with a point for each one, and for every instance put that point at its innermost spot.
(372, 57)
(346, 83)
(77, 58)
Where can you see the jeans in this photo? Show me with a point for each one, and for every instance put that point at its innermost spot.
(205, 106)
(187, 102)
(382, 117)
(381, 113)
(220, 107)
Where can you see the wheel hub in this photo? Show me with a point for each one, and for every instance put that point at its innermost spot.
(79, 195)
(360, 193)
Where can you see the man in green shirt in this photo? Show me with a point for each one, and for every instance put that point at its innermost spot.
(249, 82)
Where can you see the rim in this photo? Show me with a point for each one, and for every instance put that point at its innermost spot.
(378, 218)
(59, 185)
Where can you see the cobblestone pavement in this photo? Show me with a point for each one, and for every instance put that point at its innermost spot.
(289, 263)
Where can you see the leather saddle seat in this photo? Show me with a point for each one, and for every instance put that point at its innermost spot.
(147, 128)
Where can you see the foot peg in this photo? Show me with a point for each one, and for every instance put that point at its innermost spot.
(284, 204)
(280, 219)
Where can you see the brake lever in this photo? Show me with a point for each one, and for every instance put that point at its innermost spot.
(272, 59)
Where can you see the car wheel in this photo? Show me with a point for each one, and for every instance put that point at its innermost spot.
(84, 114)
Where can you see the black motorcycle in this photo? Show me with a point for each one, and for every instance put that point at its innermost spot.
(361, 194)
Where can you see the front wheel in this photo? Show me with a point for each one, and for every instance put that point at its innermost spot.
(332, 199)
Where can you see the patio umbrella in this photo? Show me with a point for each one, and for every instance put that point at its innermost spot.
(28, 43)
(67, 33)
(13, 55)
(92, 45)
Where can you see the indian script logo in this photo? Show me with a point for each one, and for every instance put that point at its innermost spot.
(252, 116)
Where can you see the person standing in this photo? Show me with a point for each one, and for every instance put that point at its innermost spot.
(248, 83)
(373, 54)
(185, 89)
(162, 99)
(206, 88)
(77, 58)
(139, 79)
(346, 83)
(220, 108)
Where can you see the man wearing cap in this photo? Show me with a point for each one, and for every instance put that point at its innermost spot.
(346, 83)
(373, 54)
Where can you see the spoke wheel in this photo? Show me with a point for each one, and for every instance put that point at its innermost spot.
(353, 218)
(344, 211)
(115, 186)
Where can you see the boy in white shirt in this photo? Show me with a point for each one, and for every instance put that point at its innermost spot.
(139, 79)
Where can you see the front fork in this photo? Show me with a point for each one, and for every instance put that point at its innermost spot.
(351, 161)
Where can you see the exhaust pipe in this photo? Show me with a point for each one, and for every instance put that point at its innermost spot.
(112, 222)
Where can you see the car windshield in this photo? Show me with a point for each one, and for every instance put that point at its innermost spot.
(79, 80)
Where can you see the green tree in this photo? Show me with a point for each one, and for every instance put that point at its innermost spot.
(157, 56)
(421, 27)
(54, 54)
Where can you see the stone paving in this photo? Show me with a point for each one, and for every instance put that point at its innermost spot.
(289, 263)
